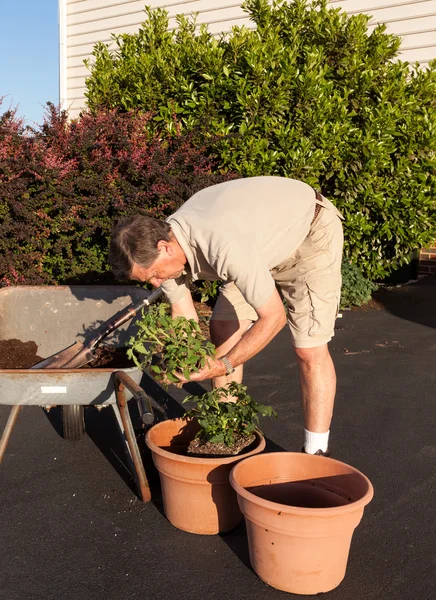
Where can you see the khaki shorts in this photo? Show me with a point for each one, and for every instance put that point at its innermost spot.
(309, 281)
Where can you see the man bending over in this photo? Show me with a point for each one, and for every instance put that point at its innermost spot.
(267, 239)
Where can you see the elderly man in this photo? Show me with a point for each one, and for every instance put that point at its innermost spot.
(268, 239)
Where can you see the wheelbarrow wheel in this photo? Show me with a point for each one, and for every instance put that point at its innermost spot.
(73, 422)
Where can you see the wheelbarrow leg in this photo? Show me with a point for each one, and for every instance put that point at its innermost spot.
(123, 416)
(13, 416)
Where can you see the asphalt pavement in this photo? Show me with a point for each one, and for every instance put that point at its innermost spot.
(73, 528)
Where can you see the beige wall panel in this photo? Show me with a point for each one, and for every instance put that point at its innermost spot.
(419, 54)
(101, 15)
(80, 71)
(81, 52)
(106, 26)
(410, 11)
(112, 23)
(226, 26)
(409, 26)
(77, 98)
(204, 6)
(91, 5)
(100, 36)
(74, 107)
(77, 91)
(216, 22)
(215, 16)
(371, 7)
(418, 40)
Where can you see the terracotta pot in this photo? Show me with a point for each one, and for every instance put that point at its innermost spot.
(300, 511)
(196, 492)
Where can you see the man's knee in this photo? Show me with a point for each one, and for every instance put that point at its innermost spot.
(312, 356)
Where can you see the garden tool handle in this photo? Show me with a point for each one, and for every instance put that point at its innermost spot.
(125, 316)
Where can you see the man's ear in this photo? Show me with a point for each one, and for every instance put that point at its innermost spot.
(165, 247)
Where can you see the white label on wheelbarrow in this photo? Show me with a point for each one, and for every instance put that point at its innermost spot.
(53, 389)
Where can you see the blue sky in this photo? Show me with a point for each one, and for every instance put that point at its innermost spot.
(29, 56)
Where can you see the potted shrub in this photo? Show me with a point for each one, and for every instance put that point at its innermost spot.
(197, 496)
(226, 426)
(178, 344)
(196, 492)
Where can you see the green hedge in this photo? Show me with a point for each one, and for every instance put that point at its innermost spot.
(356, 289)
(308, 94)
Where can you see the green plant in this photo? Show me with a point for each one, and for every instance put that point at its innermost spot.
(178, 342)
(308, 93)
(208, 290)
(225, 422)
(356, 289)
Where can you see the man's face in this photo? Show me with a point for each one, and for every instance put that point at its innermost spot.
(168, 265)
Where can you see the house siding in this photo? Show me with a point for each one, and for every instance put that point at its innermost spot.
(83, 23)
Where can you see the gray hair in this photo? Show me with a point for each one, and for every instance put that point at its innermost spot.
(134, 240)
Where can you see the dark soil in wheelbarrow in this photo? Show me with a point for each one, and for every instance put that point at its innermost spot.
(15, 354)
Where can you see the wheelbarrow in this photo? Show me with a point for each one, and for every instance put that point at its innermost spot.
(53, 317)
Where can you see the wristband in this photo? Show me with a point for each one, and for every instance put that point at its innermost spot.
(228, 365)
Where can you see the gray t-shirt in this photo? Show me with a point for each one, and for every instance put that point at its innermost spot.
(239, 230)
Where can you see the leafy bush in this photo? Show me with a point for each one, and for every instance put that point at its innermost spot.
(207, 291)
(356, 289)
(63, 185)
(224, 421)
(178, 342)
(310, 94)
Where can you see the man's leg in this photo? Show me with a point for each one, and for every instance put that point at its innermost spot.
(318, 387)
(311, 286)
(225, 335)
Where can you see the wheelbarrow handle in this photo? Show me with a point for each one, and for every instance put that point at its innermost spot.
(106, 328)
(145, 408)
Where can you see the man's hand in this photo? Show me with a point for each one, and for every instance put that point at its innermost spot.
(213, 368)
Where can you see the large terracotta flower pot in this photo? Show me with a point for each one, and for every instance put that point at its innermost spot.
(300, 511)
(196, 492)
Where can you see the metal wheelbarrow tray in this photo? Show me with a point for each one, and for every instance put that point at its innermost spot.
(54, 317)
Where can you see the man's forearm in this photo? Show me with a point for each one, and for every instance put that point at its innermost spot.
(255, 339)
(184, 308)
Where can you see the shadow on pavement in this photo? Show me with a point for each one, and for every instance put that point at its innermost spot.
(413, 302)
(102, 428)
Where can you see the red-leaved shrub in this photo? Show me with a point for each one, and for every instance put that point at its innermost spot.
(64, 185)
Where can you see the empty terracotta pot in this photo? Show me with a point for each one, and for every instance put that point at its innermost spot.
(197, 496)
(300, 511)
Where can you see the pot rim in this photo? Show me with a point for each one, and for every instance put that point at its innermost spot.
(196, 459)
(285, 508)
